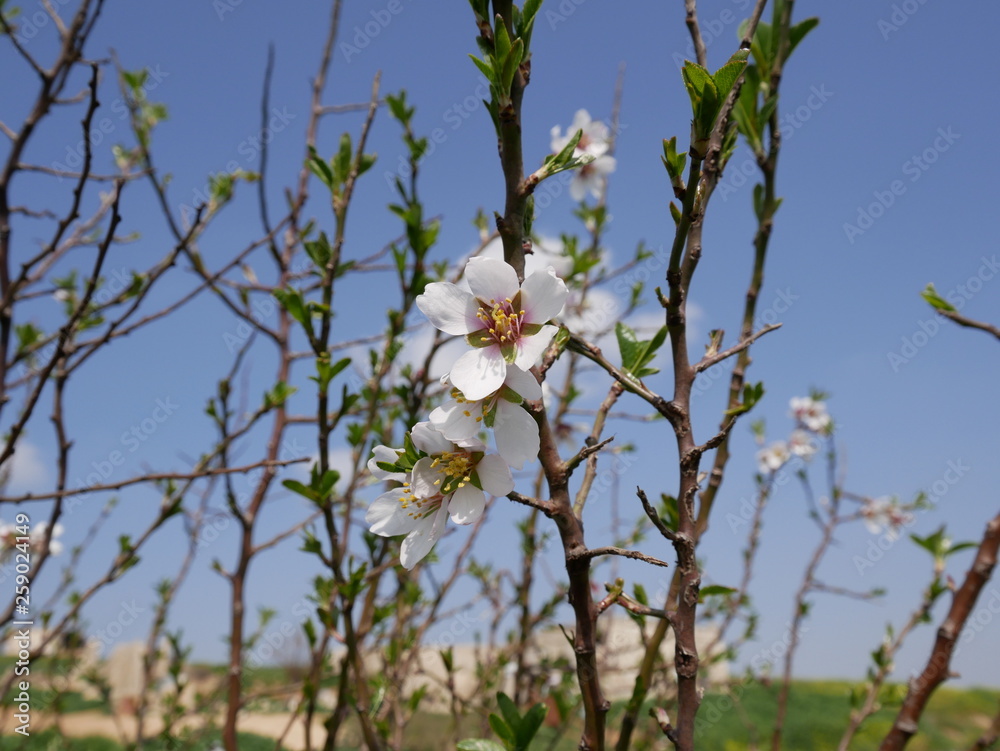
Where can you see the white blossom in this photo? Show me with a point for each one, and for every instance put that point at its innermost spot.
(595, 141)
(504, 321)
(448, 480)
(884, 515)
(810, 413)
(772, 458)
(515, 431)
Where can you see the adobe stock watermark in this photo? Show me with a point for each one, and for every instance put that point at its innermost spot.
(561, 13)
(126, 617)
(222, 7)
(453, 116)
(959, 295)
(248, 148)
(955, 470)
(715, 708)
(901, 14)
(131, 440)
(783, 301)
(914, 168)
(103, 128)
(747, 507)
(722, 26)
(979, 620)
(277, 637)
(735, 177)
(365, 33)
(461, 627)
(28, 26)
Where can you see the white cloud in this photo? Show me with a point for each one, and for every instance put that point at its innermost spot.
(26, 468)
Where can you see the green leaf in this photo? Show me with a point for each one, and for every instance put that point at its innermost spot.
(297, 487)
(530, 724)
(510, 65)
(485, 69)
(319, 251)
(628, 345)
(292, 301)
(726, 76)
(714, 589)
(930, 295)
(509, 710)
(636, 355)
(501, 729)
(797, 33)
(501, 40)
(696, 79)
(321, 169)
(342, 161)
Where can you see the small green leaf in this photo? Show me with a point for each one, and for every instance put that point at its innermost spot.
(297, 487)
(509, 710)
(485, 69)
(930, 295)
(321, 169)
(501, 729)
(530, 724)
(714, 589)
(726, 76)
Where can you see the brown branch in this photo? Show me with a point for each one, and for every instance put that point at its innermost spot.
(611, 550)
(938, 665)
(990, 736)
(154, 477)
(971, 323)
(691, 19)
(706, 362)
(654, 516)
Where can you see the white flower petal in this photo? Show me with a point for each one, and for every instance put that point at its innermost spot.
(557, 139)
(479, 372)
(386, 517)
(428, 439)
(466, 505)
(603, 165)
(420, 541)
(491, 279)
(531, 348)
(384, 454)
(516, 434)
(543, 295)
(494, 475)
(449, 308)
(873, 525)
(424, 478)
(523, 383)
(457, 422)
(578, 186)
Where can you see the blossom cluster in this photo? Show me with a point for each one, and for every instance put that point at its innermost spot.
(36, 539)
(595, 141)
(445, 468)
(811, 420)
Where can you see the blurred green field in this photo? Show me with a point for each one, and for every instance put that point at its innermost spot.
(817, 715)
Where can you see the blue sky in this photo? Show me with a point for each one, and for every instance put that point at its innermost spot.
(888, 177)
